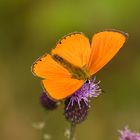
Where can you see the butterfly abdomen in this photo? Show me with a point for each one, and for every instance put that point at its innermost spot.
(76, 72)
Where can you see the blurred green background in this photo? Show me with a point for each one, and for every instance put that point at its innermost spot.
(29, 28)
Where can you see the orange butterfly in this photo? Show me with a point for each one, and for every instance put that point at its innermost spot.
(74, 60)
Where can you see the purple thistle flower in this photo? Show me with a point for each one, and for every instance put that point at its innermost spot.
(46, 102)
(77, 105)
(127, 134)
(74, 114)
(89, 89)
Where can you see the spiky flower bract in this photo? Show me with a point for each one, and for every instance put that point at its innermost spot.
(74, 113)
(77, 105)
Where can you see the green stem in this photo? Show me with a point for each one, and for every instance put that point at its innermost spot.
(72, 131)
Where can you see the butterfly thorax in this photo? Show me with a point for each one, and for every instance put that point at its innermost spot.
(76, 72)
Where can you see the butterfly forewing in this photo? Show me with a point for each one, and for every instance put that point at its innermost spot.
(61, 88)
(104, 46)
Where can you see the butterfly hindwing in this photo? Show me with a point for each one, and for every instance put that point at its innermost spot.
(46, 67)
(75, 48)
(58, 82)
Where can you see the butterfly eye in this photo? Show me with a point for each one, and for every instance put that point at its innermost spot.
(87, 81)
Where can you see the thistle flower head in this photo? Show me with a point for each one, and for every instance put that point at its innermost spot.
(46, 102)
(74, 114)
(76, 106)
(127, 134)
(89, 89)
